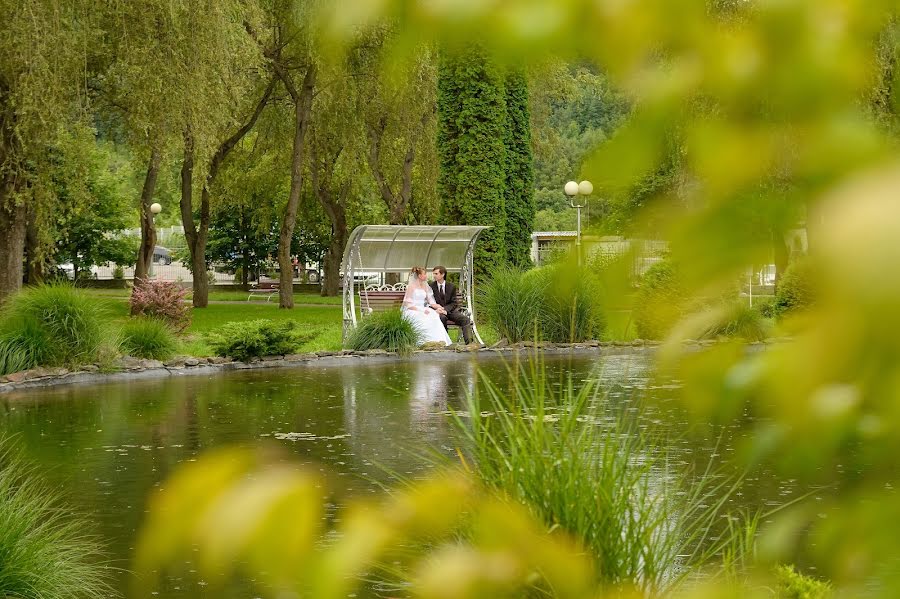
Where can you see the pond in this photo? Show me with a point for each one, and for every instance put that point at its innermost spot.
(108, 446)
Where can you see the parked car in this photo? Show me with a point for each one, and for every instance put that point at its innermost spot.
(162, 255)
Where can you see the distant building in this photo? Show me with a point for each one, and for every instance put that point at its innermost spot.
(644, 252)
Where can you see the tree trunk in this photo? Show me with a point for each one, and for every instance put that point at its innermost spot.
(337, 214)
(13, 225)
(196, 240)
(34, 263)
(302, 111)
(148, 228)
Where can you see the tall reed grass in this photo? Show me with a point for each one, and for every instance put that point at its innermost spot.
(587, 467)
(561, 303)
(49, 325)
(44, 551)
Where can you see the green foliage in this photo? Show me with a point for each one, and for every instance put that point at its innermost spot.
(572, 458)
(411, 534)
(386, 330)
(93, 193)
(50, 325)
(472, 121)
(45, 551)
(560, 303)
(660, 302)
(258, 338)
(794, 585)
(796, 289)
(148, 338)
(519, 185)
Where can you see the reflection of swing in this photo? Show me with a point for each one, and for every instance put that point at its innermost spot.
(395, 249)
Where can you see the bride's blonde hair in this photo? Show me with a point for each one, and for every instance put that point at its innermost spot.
(416, 270)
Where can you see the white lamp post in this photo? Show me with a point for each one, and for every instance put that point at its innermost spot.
(573, 190)
(155, 208)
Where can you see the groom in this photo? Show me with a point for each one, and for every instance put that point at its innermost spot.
(445, 295)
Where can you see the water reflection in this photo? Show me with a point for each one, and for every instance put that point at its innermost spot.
(109, 446)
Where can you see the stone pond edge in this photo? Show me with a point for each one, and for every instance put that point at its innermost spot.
(131, 369)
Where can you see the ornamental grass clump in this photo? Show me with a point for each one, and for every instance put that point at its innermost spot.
(49, 325)
(44, 551)
(560, 303)
(148, 338)
(571, 308)
(511, 303)
(592, 470)
(386, 330)
(163, 300)
(739, 320)
(258, 338)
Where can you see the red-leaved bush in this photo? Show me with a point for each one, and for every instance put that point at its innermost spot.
(163, 300)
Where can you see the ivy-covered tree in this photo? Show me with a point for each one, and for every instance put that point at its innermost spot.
(471, 128)
(519, 190)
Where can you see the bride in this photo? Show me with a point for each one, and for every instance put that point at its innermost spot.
(421, 310)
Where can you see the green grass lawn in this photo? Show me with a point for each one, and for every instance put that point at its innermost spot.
(323, 318)
(232, 296)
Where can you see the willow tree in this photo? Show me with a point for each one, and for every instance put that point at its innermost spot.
(43, 53)
(228, 90)
(471, 128)
(287, 36)
(396, 105)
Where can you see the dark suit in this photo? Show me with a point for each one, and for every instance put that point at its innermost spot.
(447, 299)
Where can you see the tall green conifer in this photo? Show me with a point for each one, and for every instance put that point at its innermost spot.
(472, 126)
(519, 190)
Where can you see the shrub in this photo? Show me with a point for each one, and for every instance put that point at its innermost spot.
(386, 330)
(511, 304)
(765, 307)
(118, 273)
(45, 553)
(148, 338)
(793, 585)
(162, 300)
(660, 301)
(591, 469)
(49, 325)
(257, 338)
(796, 288)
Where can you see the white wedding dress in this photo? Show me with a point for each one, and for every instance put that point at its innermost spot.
(428, 323)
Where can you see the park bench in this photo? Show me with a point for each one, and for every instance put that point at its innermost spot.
(379, 298)
(267, 288)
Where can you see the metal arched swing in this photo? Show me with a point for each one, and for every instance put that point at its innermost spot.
(374, 251)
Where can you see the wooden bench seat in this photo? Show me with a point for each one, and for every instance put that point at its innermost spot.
(387, 299)
(267, 288)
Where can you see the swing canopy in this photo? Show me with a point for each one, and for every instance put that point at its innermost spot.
(374, 251)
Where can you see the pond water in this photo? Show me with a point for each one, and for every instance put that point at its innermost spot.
(107, 447)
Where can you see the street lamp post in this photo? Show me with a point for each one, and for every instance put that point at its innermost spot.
(155, 208)
(573, 190)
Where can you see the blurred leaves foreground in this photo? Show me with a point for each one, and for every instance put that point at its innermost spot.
(244, 508)
(773, 113)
